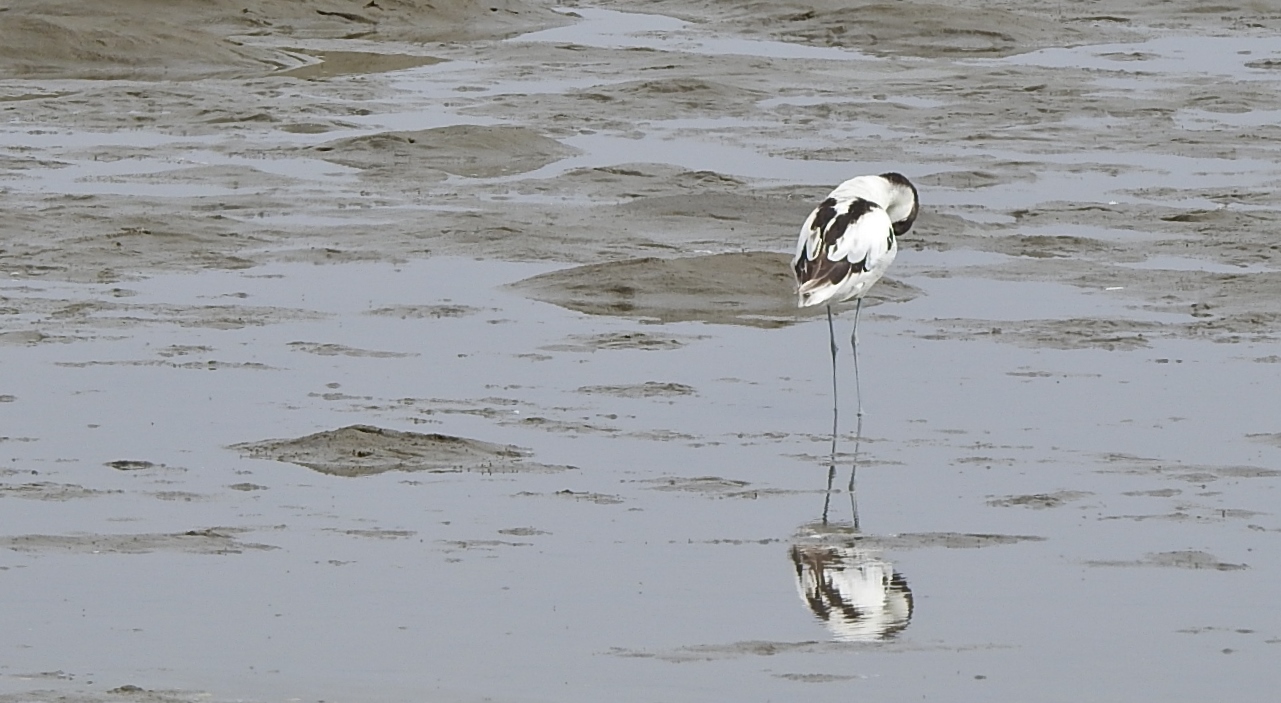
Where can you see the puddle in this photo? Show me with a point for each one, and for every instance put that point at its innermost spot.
(810, 100)
(185, 176)
(1191, 119)
(302, 220)
(695, 152)
(1237, 57)
(487, 374)
(1106, 234)
(611, 29)
(1177, 263)
(332, 64)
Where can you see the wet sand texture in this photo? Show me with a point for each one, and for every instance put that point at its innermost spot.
(361, 450)
(207, 541)
(924, 29)
(472, 151)
(136, 39)
(751, 288)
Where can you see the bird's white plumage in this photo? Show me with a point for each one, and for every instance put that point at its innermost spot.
(849, 241)
(866, 247)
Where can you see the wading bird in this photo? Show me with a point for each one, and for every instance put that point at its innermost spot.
(846, 245)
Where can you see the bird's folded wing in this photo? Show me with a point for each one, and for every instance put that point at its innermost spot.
(865, 240)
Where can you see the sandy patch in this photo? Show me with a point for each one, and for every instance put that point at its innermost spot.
(907, 28)
(621, 340)
(474, 151)
(128, 693)
(331, 64)
(47, 490)
(124, 45)
(329, 349)
(208, 541)
(762, 648)
(380, 534)
(406, 312)
(189, 39)
(706, 485)
(751, 288)
(648, 389)
(1039, 501)
(1190, 473)
(1187, 559)
(577, 496)
(362, 450)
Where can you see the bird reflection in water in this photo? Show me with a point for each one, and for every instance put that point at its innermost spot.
(841, 575)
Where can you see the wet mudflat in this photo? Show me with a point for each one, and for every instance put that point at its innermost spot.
(392, 355)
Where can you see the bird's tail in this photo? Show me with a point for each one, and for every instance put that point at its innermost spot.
(815, 292)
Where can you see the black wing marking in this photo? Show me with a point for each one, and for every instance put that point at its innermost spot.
(831, 227)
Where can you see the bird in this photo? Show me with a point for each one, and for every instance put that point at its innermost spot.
(846, 245)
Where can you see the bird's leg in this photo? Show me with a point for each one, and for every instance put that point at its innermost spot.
(831, 335)
(858, 430)
(858, 391)
(831, 466)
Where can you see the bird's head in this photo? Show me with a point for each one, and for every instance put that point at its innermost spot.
(902, 204)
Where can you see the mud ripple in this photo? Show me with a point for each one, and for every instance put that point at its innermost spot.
(207, 541)
(1186, 559)
(1079, 333)
(45, 490)
(620, 340)
(363, 450)
(749, 288)
(1192, 473)
(946, 540)
(765, 648)
(649, 389)
(326, 349)
(1039, 501)
(716, 487)
(578, 496)
(472, 151)
(425, 311)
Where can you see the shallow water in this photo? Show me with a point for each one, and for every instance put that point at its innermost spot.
(611, 29)
(1178, 56)
(615, 589)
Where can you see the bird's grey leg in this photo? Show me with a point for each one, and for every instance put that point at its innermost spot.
(858, 391)
(831, 335)
(831, 466)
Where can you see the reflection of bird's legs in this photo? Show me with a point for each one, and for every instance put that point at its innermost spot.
(827, 497)
(858, 440)
(858, 391)
(854, 510)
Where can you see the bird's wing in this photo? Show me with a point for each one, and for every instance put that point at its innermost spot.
(866, 239)
(841, 237)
